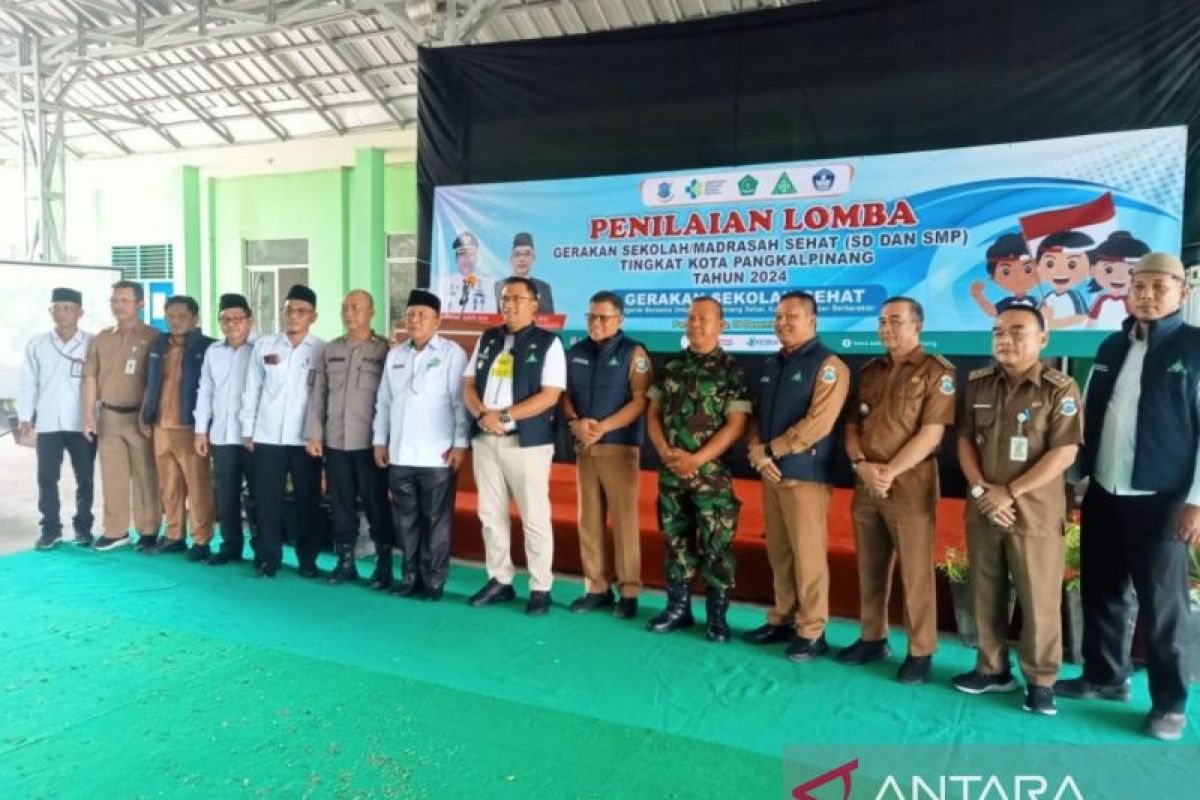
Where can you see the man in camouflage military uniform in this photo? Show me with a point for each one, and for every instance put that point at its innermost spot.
(698, 409)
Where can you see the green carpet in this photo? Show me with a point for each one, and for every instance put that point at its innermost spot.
(133, 676)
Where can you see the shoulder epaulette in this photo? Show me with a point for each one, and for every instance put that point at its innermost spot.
(871, 362)
(982, 372)
(942, 360)
(1055, 377)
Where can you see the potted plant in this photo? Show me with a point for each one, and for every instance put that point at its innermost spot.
(1072, 605)
(955, 566)
(1194, 579)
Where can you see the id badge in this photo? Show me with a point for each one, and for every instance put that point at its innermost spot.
(503, 366)
(76, 369)
(1018, 448)
(131, 366)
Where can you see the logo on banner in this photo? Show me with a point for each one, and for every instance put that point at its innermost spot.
(747, 186)
(695, 189)
(822, 180)
(664, 190)
(784, 185)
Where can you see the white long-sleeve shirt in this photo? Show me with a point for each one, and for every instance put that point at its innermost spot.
(419, 410)
(1118, 436)
(51, 392)
(276, 395)
(219, 399)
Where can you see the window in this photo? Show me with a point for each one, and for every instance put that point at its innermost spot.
(144, 262)
(401, 273)
(272, 267)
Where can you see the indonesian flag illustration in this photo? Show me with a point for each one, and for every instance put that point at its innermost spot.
(1097, 218)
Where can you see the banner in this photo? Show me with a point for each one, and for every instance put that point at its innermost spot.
(962, 231)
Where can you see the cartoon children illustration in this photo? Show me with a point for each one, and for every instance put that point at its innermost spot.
(1010, 267)
(1062, 263)
(1112, 261)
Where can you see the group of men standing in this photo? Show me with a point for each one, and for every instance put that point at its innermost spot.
(400, 421)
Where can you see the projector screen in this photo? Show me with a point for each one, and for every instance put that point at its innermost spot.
(27, 288)
(1056, 222)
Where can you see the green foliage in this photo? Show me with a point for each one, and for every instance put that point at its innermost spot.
(955, 565)
(1071, 556)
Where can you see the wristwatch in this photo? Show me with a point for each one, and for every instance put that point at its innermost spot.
(978, 491)
(768, 452)
(505, 418)
(855, 462)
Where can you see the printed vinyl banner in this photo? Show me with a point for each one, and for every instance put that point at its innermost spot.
(963, 231)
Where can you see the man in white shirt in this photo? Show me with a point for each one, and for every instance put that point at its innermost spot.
(274, 406)
(511, 386)
(218, 428)
(49, 404)
(420, 436)
(1141, 513)
(465, 291)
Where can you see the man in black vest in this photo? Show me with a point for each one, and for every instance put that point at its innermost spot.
(607, 377)
(800, 396)
(1142, 508)
(511, 386)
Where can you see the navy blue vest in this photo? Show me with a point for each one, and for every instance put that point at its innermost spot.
(598, 384)
(1168, 417)
(530, 345)
(785, 391)
(194, 345)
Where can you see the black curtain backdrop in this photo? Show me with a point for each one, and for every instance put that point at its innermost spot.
(821, 80)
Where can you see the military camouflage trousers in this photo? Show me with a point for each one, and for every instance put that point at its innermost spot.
(698, 519)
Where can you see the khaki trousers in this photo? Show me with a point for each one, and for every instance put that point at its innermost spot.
(607, 480)
(186, 484)
(1035, 564)
(502, 467)
(127, 465)
(797, 548)
(887, 529)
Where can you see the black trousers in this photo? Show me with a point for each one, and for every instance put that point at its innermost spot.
(50, 447)
(1132, 539)
(233, 468)
(272, 466)
(423, 503)
(354, 476)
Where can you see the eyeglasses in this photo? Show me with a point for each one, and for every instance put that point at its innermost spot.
(514, 298)
(600, 317)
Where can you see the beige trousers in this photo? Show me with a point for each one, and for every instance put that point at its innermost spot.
(502, 469)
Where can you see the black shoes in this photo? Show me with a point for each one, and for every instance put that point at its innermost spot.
(380, 581)
(864, 651)
(975, 682)
(409, 586)
(716, 604)
(145, 543)
(434, 593)
(1165, 726)
(108, 543)
(263, 571)
(492, 592)
(47, 541)
(222, 557)
(308, 571)
(84, 540)
(915, 670)
(345, 571)
(626, 608)
(591, 601)
(538, 604)
(199, 552)
(769, 634)
(801, 649)
(1083, 689)
(1040, 700)
(678, 613)
(169, 546)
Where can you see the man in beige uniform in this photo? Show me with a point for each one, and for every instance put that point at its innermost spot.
(607, 377)
(114, 375)
(338, 426)
(904, 402)
(1021, 427)
(800, 396)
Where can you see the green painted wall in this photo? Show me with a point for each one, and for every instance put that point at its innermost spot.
(400, 198)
